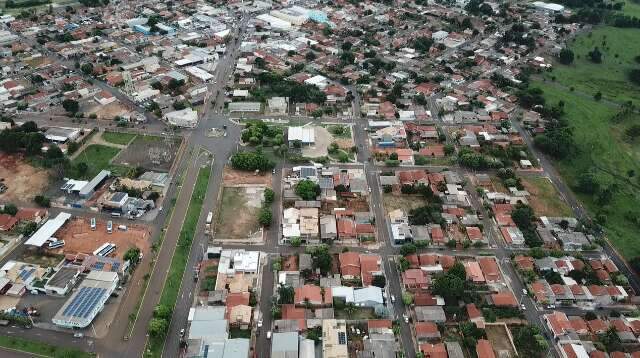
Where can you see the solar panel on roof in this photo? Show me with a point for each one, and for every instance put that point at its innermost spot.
(84, 302)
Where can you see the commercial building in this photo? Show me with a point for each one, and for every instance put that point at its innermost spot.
(304, 135)
(46, 231)
(185, 118)
(87, 301)
(334, 339)
(245, 107)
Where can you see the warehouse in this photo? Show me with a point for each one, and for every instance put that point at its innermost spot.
(47, 230)
(304, 135)
(87, 301)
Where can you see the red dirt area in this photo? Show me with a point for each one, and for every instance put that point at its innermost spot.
(236, 177)
(23, 180)
(79, 238)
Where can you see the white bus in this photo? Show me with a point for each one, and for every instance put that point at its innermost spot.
(105, 249)
(93, 224)
(54, 243)
(109, 226)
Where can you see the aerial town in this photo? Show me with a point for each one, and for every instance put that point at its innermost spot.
(333, 179)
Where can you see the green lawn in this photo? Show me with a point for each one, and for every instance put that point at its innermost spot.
(118, 138)
(631, 8)
(600, 146)
(610, 76)
(181, 255)
(98, 157)
(41, 349)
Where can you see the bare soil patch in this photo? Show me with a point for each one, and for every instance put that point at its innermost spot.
(497, 335)
(149, 152)
(232, 177)
(238, 217)
(545, 199)
(79, 238)
(23, 180)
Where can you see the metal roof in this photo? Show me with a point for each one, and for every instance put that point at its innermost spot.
(87, 189)
(47, 230)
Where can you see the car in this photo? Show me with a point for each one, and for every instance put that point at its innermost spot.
(160, 208)
(524, 291)
(259, 323)
(269, 335)
(182, 333)
(273, 171)
(551, 307)
(406, 318)
(78, 335)
(524, 308)
(393, 298)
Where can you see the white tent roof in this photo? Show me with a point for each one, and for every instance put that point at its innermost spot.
(47, 230)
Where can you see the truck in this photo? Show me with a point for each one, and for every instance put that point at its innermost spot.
(209, 219)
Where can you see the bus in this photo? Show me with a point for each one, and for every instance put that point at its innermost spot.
(109, 226)
(93, 224)
(105, 249)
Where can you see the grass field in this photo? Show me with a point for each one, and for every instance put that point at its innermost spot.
(619, 47)
(392, 202)
(181, 255)
(41, 349)
(545, 200)
(236, 219)
(118, 138)
(600, 146)
(98, 157)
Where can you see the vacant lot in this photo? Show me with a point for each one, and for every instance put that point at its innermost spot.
(150, 152)
(497, 335)
(48, 259)
(237, 177)
(602, 149)
(238, 217)
(619, 48)
(23, 180)
(118, 138)
(79, 237)
(404, 202)
(98, 157)
(545, 200)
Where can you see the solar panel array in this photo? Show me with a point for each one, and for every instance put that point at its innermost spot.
(67, 186)
(25, 273)
(84, 302)
(342, 338)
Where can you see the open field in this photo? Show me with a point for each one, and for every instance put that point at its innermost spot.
(79, 238)
(41, 349)
(23, 180)
(48, 259)
(545, 200)
(149, 152)
(118, 138)
(238, 216)
(404, 202)
(98, 157)
(619, 47)
(601, 148)
(181, 255)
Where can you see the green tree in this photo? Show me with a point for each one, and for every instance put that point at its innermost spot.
(529, 341)
(449, 286)
(408, 249)
(286, 294)
(87, 68)
(379, 281)
(70, 105)
(265, 217)
(407, 298)
(566, 56)
(269, 196)
(10, 209)
(132, 255)
(307, 190)
(158, 327)
(42, 201)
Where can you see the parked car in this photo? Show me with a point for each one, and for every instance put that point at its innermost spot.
(78, 335)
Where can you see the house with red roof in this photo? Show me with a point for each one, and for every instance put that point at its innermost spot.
(426, 331)
(490, 269)
(370, 266)
(437, 350)
(412, 177)
(475, 315)
(437, 236)
(504, 299)
(308, 293)
(7, 222)
(415, 279)
(484, 349)
(349, 265)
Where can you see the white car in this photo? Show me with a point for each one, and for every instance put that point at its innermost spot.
(269, 335)
(406, 318)
(524, 291)
(524, 308)
(259, 323)
(78, 335)
(393, 298)
(182, 333)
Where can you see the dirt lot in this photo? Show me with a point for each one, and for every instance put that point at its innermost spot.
(238, 216)
(322, 140)
(544, 198)
(139, 151)
(78, 237)
(236, 177)
(404, 202)
(107, 112)
(497, 335)
(23, 181)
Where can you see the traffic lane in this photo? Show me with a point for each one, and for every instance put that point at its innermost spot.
(266, 297)
(406, 335)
